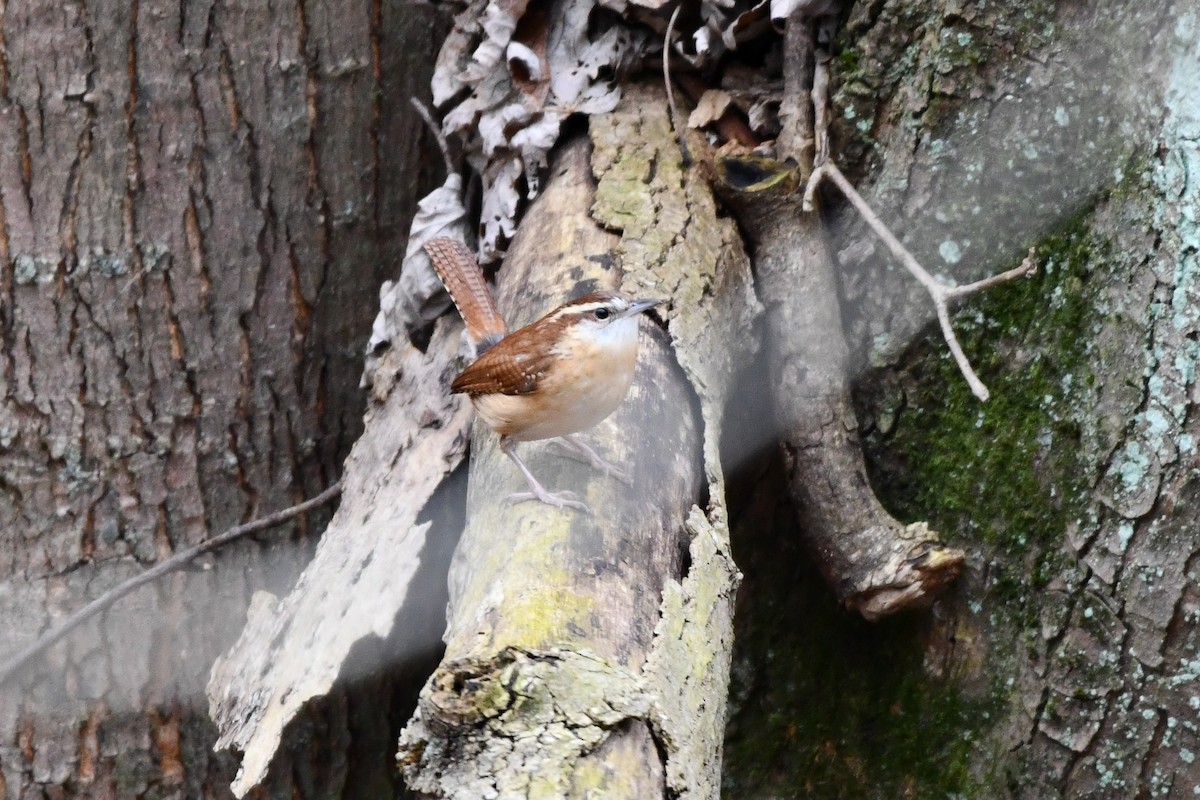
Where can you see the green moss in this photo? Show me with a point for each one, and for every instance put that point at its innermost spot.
(1002, 476)
(825, 705)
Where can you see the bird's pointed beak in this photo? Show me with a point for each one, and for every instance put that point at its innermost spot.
(638, 306)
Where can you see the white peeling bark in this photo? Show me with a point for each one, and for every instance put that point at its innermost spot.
(293, 649)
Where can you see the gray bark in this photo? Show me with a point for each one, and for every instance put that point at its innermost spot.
(197, 204)
(174, 189)
(581, 657)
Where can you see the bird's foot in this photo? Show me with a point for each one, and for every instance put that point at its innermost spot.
(571, 447)
(558, 500)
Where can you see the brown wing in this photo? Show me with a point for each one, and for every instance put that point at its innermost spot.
(511, 367)
(463, 278)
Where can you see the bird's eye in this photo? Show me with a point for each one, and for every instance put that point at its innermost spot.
(602, 313)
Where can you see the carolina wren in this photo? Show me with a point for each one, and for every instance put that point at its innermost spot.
(555, 377)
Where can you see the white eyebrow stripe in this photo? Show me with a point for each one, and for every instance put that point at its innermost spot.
(584, 308)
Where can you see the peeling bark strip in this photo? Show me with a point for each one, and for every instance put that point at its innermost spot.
(293, 650)
(577, 661)
(874, 562)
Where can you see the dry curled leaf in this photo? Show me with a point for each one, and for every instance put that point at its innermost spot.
(500, 200)
(417, 298)
(524, 63)
(712, 104)
(508, 76)
(763, 117)
(782, 9)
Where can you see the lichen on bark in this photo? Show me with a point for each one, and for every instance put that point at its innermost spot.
(673, 238)
(1058, 667)
(660, 688)
(195, 212)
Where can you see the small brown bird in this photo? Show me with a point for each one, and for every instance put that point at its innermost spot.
(553, 378)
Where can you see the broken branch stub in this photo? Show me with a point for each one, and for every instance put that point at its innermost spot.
(676, 244)
(552, 613)
(875, 563)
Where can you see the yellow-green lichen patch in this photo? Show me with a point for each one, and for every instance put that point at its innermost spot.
(677, 247)
(539, 616)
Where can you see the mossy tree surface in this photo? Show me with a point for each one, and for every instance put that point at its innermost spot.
(902, 708)
(1063, 664)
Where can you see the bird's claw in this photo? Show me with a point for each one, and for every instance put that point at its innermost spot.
(558, 500)
(578, 451)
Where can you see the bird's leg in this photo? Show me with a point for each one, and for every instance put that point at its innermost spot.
(508, 446)
(574, 448)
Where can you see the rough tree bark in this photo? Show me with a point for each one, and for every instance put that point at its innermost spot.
(975, 129)
(197, 204)
(917, 707)
(535, 589)
(1064, 663)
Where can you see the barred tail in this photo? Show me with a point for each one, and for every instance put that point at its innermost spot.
(463, 278)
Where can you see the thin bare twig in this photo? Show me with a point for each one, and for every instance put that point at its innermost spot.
(820, 102)
(1027, 267)
(158, 570)
(679, 129)
(940, 293)
(436, 130)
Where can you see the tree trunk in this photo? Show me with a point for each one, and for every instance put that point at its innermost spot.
(198, 202)
(187, 198)
(1062, 665)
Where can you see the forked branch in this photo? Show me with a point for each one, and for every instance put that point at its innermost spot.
(940, 293)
